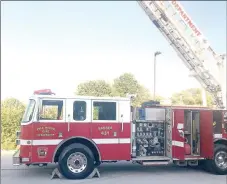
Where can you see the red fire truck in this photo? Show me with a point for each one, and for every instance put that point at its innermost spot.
(80, 133)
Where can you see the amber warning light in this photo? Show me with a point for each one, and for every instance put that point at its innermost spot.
(43, 92)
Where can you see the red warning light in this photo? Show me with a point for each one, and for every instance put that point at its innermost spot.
(43, 92)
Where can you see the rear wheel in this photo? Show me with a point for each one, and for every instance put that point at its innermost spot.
(76, 161)
(219, 164)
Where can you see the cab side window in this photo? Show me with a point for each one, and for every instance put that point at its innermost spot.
(51, 110)
(79, 110)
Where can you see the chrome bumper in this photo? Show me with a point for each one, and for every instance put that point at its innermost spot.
(16, 158)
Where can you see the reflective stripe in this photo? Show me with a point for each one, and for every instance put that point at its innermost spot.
(25, 142)
(57, 141)
(48, 142)
(112, 141)
(217, 136)
(178, 144)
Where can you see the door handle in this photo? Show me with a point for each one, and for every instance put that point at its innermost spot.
(68, 122)
(122, 123)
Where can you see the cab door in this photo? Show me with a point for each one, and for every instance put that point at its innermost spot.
(49, 129)
(106, 128)
(51, 120)
(79, 117)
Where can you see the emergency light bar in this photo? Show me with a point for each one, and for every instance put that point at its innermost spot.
(43, 92)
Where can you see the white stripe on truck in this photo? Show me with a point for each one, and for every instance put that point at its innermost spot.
(50, 142)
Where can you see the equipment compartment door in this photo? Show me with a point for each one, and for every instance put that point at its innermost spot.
(224, 129)
(206, 134)
(125, 129)
(106, 127)
(178, 134)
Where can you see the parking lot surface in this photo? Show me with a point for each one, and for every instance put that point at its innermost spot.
(113, 173)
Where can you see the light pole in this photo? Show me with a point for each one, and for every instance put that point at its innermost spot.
(155, 54)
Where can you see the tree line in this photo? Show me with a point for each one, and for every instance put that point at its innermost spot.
(12, 109)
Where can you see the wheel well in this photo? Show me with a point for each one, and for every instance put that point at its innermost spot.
(83, 141)
(221, 141)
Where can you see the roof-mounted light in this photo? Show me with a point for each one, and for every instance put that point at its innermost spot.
(43, 92)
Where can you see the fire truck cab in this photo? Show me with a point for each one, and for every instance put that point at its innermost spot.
(81, 132)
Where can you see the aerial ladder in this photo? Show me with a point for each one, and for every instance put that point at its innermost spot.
(192, 47)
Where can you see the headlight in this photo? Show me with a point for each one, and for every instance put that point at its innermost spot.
(17, 142)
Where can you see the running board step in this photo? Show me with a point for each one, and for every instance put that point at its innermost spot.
(154, 163)
(151, 158)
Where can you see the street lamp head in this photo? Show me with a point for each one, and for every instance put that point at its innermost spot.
(157, 53)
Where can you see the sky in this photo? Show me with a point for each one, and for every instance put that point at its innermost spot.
(58, 45)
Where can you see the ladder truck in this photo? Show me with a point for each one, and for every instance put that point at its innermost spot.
(192, 47)
(82, 132)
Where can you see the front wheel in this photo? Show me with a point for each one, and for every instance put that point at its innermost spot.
(219, 164)
(76, 161)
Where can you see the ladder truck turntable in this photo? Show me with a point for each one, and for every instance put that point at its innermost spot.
(81, 132)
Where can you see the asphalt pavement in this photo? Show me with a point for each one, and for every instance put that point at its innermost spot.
(113, 173)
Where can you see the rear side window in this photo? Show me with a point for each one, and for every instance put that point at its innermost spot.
(105, 111)
(79, 110)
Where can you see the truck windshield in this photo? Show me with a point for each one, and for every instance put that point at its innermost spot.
(29, 111)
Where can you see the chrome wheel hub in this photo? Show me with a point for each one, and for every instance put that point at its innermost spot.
(221, 160)
(77, 162)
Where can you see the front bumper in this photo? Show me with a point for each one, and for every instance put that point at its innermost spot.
(16, 158)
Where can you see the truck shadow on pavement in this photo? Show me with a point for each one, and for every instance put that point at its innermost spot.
(136, 168)
(111, 169)
(111, 173)
(107, 170)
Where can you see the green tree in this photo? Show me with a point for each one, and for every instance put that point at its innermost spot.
(127, 84)
(192, 96)
(12, 111)
(142, 95)
(122, 85)
(94, 88)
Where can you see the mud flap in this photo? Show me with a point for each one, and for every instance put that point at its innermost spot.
(57, 174)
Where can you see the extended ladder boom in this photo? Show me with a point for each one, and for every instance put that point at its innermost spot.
(191, 46)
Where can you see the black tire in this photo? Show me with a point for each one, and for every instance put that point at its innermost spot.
(211, 165)
(207, 166)
(65, 154)
(98, 163)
